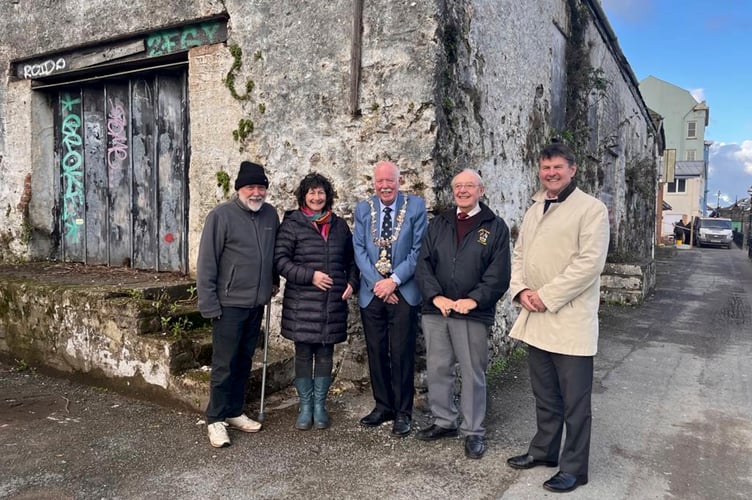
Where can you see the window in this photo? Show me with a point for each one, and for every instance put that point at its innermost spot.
(678, 186)
(691, 155)
(691, 130)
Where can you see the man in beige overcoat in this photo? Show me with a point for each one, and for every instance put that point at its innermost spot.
(556, 266)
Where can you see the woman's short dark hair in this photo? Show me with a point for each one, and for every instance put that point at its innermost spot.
(315, 180)
(558, 149)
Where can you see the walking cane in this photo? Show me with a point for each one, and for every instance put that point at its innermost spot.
(261, 414)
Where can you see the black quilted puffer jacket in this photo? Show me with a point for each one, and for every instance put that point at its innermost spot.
(308, 313)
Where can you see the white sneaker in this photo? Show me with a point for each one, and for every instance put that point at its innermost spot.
(243, 423)
(218, 435)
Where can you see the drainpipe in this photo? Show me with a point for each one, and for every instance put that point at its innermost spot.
(705, 160)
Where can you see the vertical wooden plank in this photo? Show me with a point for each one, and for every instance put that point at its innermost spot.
(118, 156)
(58, 242)
(356, 47)
(144, 210)
(171, 170)
(95, 176)
(72, 176)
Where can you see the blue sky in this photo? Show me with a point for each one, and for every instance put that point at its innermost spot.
(701, 46)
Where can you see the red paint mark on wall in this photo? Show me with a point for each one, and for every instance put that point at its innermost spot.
(169, 238)
(23, 206)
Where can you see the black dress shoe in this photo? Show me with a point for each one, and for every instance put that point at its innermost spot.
(564, 481)
(435, 432)
(475, 446)
(376, 418)
(401, 426)
(527, 462)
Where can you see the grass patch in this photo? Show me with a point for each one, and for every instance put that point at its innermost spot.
(503, 364)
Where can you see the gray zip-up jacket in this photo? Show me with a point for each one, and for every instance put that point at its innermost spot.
(236, 258)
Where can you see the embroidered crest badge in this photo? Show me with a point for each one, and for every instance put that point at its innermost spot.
(483, 235)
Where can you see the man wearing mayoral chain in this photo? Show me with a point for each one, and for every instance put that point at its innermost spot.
(389, 230)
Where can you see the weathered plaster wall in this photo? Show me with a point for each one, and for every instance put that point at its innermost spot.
(14, 167)
(505, 84)
(445, 85)
(25, 120)
(214, 114)
(298, 57)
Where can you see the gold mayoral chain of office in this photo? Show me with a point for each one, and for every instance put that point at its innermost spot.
(384, 264)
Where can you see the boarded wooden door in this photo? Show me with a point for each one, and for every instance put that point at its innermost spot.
(122, 149)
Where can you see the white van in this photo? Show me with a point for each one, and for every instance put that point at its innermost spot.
(713, 231)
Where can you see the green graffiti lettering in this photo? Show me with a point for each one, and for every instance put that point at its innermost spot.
(190, 38)
(152, 45)
(210, 29)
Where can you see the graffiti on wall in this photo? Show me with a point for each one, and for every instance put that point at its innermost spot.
(43, 68)
(72, 167)
(176, 40)
(155, 44)
(116, 129)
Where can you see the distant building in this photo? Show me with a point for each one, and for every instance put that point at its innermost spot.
(684, 123)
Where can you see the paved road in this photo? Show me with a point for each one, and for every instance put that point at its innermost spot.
(671, 421)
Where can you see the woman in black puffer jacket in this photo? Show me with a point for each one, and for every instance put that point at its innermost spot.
(314, 253)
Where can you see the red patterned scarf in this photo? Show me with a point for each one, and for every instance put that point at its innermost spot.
(320, 220)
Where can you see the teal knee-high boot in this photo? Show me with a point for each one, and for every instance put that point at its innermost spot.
(305, 393)
(320, 391)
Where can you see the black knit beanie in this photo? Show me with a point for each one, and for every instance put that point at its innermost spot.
(251, 173)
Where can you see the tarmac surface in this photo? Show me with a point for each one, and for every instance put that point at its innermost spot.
(671, 420)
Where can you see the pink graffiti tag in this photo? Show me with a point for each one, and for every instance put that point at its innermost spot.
(116, 129)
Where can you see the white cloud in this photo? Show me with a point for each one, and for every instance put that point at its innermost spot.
(729, 171)
(744, 154)
(698, 94)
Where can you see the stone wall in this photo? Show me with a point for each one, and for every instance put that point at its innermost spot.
(627, 284)
(444, 85)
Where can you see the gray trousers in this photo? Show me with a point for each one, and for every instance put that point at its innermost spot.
(451, 342)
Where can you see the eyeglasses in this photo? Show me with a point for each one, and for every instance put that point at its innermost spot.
(464, 185)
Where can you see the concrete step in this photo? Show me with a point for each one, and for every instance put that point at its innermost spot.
(192, 386)
(135, 332)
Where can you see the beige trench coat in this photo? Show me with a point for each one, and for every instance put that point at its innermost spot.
(561, 254)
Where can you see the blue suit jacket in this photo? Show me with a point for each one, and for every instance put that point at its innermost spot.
(405, 250)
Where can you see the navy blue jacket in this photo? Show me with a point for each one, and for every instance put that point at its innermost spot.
(479, 268)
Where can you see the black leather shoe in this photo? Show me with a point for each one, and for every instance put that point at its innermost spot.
(527, 462)
(376, 418)
(475, 446)
(564, 481)
(401, 426)
(435, 432)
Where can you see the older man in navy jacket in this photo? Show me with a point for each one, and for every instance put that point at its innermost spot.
(463, 270)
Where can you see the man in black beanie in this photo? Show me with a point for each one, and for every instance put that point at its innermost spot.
(235, 278)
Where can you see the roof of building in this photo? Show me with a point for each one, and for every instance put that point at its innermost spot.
(694, 168)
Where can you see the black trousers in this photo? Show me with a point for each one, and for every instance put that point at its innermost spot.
(234, 338)
(306, 354)
(562, 386)
(390, 331)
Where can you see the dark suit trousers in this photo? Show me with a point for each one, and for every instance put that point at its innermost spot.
(390, 331)
(562, 386)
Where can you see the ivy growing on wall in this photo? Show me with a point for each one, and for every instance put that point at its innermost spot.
(587, 89)
(237, 63)
(586, 86)
(245, 125)
(223, 181)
